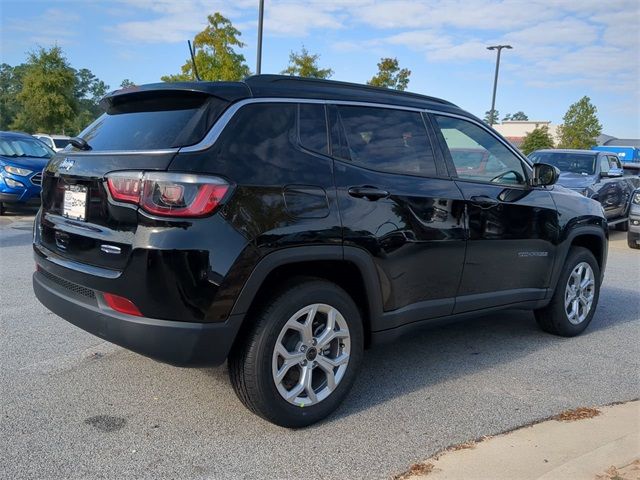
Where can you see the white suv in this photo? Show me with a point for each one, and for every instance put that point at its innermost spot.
(55, 142)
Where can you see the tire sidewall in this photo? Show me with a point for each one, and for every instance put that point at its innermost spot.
(283, 412)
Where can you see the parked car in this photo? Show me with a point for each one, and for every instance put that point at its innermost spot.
(54, 142)
(633, 235)
(287, 223)
(597, 175)
(22, 159)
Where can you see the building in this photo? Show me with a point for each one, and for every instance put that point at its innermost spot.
(516, 130)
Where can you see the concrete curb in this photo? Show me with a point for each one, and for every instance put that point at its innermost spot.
(550, 450)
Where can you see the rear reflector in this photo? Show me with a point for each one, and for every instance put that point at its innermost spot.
(169, 194)
(121, 304)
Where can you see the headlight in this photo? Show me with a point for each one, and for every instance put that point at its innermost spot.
(13, 183)
(636, 198)
(23, 172)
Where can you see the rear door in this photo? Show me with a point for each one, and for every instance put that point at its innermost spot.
(396, 203)
(512, 227)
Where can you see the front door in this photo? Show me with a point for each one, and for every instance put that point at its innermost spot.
(396, 202)
(512, 227)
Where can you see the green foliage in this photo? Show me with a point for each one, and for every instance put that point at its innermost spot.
(126, 83)
(491, 119)
(46, 94)
(215, 55)
(537, 139)
(518, 116)
(304, 64)
(88, 92)
(390, 75)
(580, 126)
(47, 100)
(10, 86)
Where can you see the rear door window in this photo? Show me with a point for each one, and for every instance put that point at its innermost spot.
(151, 122)
(312, 127)
(387, 140)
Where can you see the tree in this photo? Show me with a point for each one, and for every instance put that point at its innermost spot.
(126, 83)
(215, 55)
(47, 98)
(88, 92)
(518, 116)
(390, 75)
(10, 86)
(536, 139)
(304, 64)
(580, 126)
(491, 119)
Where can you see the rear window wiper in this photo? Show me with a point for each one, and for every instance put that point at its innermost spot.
(79, 143)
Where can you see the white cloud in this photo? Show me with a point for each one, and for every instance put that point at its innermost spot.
(589, 42)
(53, 26)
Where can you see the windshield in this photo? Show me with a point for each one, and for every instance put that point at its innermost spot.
(582, 163)
(164, 121)
(24, 147)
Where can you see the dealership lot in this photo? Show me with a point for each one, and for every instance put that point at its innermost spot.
(73, 406)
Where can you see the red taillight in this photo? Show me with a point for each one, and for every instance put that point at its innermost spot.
(121, 304)
(125, 188)
(168, 194)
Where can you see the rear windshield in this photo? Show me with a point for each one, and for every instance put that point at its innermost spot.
(567, 162)
(164, 121)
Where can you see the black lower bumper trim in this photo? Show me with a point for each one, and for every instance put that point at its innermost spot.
(177, 343)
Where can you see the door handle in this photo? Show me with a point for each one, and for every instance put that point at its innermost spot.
(370, 193)
(484, 201)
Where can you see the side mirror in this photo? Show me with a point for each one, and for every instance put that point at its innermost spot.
(544, 175)
(611, 173)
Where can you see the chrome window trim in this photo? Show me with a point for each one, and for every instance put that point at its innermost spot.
(162, 151)
(212, 136)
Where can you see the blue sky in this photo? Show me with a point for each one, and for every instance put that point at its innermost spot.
(563, 49)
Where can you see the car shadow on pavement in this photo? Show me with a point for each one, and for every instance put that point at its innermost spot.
(435, 355)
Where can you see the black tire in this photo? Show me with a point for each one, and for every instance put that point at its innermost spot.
(2, 209)
(632, 240)
(553, 318)
(250, 362)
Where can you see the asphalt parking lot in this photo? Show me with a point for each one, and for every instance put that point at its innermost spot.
(73, 406)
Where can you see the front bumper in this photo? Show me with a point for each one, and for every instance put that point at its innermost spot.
(174, 342)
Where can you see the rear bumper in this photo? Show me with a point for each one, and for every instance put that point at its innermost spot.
(174, 342)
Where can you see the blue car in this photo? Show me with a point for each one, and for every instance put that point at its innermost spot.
(22, 159)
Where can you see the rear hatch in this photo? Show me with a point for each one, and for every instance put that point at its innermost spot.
(141, 131)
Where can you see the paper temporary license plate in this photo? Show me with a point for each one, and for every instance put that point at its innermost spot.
(75, 202)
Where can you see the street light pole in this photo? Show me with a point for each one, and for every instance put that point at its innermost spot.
(495, 80)
(260, 19)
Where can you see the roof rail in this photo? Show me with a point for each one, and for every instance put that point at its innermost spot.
(288, 80)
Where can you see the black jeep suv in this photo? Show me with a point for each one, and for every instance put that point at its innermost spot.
(286, 224)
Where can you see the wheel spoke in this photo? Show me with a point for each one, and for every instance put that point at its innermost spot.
(290, 359)
(327, 362)
(329, 372)
(307, 377)
(295, 391)
(328, 337)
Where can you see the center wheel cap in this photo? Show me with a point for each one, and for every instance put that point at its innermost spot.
(312, 353)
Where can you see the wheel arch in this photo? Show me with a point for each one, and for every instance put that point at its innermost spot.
(350, 268)
(591, 237)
